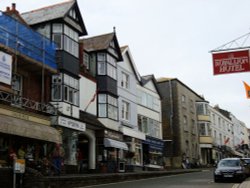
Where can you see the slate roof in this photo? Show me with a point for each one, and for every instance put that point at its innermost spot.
(101, 42)
(97, 43)
(48, 13)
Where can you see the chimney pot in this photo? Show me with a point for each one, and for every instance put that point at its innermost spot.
(13, 6)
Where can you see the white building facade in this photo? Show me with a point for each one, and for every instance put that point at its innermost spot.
(127, 89)
(149, 121)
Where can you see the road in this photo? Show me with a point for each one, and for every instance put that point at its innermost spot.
(202, 179)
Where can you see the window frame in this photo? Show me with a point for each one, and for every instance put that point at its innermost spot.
(110, 106)
(125, 111)
(106, 65)
(68, 89)
(69, 38)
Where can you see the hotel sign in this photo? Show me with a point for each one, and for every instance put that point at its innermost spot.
(231, 62)
(72, 124)
(5, 68)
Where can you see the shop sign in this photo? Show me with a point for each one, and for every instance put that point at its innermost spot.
(19, 166)
(231, 62)
(113, 135)
(72, 124)
(154, 143)
(5, 68)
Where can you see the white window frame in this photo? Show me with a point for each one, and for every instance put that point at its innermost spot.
(125, 111)
(125, 80)
(68, 88)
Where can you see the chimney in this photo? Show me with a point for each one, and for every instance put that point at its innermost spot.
(13, 6)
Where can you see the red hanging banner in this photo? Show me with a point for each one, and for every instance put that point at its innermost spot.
(231, 62)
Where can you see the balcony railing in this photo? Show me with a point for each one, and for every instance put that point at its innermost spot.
(22, 39)
(19, 101)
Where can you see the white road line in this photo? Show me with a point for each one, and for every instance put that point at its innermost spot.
(236, 185)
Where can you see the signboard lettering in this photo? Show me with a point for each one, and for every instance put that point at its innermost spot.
(72, 124)
(5, 68)
(231, 62)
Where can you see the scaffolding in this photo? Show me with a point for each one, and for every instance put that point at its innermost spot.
(26, 41)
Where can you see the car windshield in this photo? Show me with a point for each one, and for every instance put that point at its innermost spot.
(229, 163)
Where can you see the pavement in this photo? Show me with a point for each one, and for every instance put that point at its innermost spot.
(245, 184)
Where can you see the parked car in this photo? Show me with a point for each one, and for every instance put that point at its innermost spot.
(247, 161)
(230, 169)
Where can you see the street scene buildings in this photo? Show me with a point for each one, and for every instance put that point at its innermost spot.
(79, 103)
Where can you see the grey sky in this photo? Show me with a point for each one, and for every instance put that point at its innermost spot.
(172, 38)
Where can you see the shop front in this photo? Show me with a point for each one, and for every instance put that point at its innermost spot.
(110, 151)
(27, 137)
(70, 130)
(31, 131)
(133, 138)
(153, 153)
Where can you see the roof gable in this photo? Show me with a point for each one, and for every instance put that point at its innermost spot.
(101, 43)
(54, 12)
(150, 82)
(126, 52)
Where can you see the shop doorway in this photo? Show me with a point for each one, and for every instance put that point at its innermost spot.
(83, 153)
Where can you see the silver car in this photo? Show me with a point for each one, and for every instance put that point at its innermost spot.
(230, 168)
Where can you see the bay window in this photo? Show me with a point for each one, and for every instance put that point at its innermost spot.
(107, 106)
(106, 65)
(65, 38)
(149, 126)
(65, 88)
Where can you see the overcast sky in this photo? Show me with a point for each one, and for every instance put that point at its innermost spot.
(172, 38)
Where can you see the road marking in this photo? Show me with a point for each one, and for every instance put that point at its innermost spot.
(236, 185)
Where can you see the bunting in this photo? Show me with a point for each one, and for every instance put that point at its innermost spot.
(247, 88)
(227, 140)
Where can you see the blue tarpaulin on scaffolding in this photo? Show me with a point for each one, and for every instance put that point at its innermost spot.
(25, 40)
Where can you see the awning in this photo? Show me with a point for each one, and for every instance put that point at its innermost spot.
(20, 127)
(115, 144)
(133, 133)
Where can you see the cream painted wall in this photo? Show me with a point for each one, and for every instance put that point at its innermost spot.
(87, 91)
